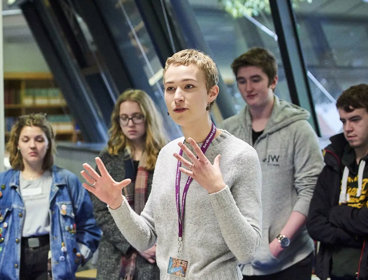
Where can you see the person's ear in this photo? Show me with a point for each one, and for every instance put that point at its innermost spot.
(212, 93)
(274, 83)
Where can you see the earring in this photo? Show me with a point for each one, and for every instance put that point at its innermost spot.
(168, 113)
(208, 107)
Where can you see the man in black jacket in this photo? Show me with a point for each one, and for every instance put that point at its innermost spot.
(338, 214)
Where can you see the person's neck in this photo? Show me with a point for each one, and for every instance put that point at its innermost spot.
(31, 173)
(360, 153)
(260, 115)
(198, 132)
(138, 150)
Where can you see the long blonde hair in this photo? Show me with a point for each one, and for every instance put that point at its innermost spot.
(155, 138)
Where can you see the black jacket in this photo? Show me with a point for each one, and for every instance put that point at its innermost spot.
(330, 223)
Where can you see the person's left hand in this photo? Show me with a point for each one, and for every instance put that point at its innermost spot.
(275, 248)
(149, 254)
(198, 167)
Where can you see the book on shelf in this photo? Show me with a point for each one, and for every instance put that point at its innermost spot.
(43, 96)
(61, 123)
(11, 96)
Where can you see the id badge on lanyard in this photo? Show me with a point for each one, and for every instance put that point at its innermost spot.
(179, 266)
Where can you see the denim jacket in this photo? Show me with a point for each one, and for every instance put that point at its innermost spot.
(74, 235)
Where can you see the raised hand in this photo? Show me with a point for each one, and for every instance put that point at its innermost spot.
(103, 186)
(198, 167)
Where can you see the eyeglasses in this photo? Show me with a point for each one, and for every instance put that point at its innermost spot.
(136, 119)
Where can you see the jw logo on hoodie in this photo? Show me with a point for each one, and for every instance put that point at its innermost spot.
(272, 160)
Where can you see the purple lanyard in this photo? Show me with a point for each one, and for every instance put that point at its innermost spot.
(204, 148)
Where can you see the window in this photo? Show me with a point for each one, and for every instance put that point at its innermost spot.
(334, 40)
(228, 37)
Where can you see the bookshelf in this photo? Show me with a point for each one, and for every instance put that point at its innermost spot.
(26, 93)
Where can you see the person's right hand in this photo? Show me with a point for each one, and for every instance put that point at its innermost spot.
(103, 186)
(149, 254)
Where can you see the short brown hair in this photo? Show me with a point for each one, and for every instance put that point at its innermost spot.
(258, 57)
(203, 61)
(354, 97)
(39, 120)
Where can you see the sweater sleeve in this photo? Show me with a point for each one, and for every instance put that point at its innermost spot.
(238, 207)
(319, 225)
(138, 229)
(108, 226)
(308, 163)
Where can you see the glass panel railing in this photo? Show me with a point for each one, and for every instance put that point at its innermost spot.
(230, 31)
(334, 40)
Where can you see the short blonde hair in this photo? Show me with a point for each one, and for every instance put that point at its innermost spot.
(203, 61)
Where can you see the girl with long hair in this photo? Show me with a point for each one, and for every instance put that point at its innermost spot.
(136, 137)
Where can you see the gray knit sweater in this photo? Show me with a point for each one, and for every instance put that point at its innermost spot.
(220, 229)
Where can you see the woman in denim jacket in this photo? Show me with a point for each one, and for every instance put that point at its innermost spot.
(47, 228)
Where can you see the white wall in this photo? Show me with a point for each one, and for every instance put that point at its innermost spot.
(24, 57)
(21, 52)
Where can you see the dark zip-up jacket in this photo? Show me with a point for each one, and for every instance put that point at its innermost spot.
(333, 224)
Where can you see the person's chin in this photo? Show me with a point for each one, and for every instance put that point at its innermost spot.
(132, 137)
(354, 144)
(179, 119)
(34, 160)
(252, 102)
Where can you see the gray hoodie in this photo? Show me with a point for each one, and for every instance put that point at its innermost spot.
(291, 162)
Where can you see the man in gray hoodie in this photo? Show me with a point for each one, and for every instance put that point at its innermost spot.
(290, 161)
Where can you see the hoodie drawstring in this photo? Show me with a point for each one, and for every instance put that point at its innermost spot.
(360, 177)
(344, 197)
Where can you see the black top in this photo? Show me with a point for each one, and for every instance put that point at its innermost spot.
(255, 135)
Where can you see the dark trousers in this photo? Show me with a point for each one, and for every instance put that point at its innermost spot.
(34, 261)
(299, 271)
